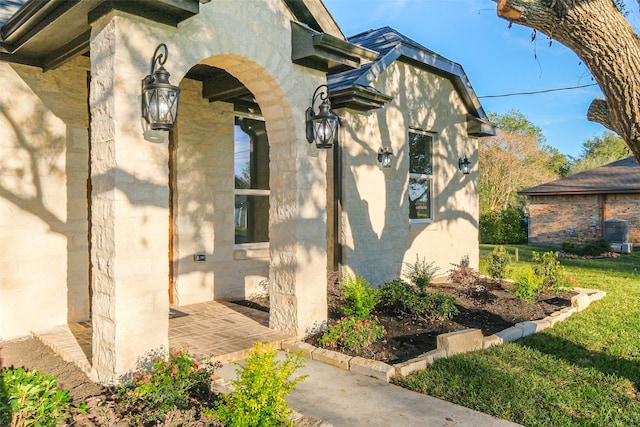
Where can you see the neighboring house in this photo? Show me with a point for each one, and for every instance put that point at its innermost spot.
(587, 206)
(102, 218)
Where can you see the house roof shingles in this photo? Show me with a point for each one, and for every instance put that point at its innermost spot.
(622, 176)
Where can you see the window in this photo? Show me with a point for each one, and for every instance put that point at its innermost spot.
(420, 176)
(251, 168)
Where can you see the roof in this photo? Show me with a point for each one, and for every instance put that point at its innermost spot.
(8, 8)
(622, 176)
(391, 46)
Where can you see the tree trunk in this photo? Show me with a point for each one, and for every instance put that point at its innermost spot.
(603, 39)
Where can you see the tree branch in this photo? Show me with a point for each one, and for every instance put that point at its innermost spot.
(599, 112)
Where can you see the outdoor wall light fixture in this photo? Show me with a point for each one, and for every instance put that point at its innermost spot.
(322, 127)
(159, 96)
(464, 165)
(385, 156)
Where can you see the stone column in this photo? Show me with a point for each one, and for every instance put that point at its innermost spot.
(129, 215)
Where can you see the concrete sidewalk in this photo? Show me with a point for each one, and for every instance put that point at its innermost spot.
(347, 399)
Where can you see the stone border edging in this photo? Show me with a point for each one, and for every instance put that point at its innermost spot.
(458, 342)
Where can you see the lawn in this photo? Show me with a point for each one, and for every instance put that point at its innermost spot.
(583, 372)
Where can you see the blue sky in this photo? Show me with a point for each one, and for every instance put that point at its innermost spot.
(497, 60)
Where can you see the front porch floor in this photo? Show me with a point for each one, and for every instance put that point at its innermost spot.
(212, 330)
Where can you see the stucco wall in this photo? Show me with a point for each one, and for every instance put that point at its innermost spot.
(44, 269)
(377, 235)
(579, 218)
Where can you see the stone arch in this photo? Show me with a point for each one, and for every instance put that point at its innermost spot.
(286, 183)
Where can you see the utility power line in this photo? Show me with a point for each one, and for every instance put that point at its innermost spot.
(538, 91)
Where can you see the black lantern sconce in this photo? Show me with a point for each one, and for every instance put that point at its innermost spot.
(159, 96)
(464, 165)
(385, 156)
(322, 127)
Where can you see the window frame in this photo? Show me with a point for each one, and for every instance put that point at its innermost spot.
(429, 178)
(249, 191)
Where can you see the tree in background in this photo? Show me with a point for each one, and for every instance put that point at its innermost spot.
(598, 32)
(599, 151)
(512, 160)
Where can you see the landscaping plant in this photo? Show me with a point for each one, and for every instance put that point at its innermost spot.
(498, 263)
(352, 334)
(360, 297)
(401, 299)
(581, 372)
(29, 398)
(527, 286)
(259, 392)
(420, 273)
(547, 268)
(165, 382)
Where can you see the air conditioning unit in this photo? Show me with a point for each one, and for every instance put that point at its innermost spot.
(616, 231)
(622, 248)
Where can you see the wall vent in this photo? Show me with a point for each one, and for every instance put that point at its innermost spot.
(616, 230)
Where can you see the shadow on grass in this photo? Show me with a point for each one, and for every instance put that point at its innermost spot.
(580, 356)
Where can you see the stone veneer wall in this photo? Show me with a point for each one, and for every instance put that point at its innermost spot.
(44, 268)
(204, 207)
(377, 235)
(579, 218)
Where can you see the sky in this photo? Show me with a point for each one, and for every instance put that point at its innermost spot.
(497, 59)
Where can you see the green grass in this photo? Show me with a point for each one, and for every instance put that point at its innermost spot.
(583, 372)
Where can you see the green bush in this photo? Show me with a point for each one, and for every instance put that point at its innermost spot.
(420, 273)
(527, 286)
(498, 263)
(507, 226)
(596, 247)
(164, 382)
(352, 334)
(259, 392)
(547, 268)
(29, 398)
(399, 298)
(360, 297)
(593, 248)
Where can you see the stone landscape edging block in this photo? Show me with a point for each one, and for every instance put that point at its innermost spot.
(450, 344)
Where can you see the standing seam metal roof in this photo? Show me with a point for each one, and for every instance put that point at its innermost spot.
(392, 45)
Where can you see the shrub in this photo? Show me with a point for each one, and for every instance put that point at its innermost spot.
(527, 286)
(464, 275)
(360, 297)
(498, 263)
(401, 299)
(547, 268)
(498, 228)
(31, 398)
(596, 247)
(568, 246)
(259, 392)
(352, 334)
(174, 380)
(420, 273)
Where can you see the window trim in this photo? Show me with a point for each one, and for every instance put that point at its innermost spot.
(250, 246)
(429, 178)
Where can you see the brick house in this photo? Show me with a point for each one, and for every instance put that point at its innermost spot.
(579, 207)
(107, 220)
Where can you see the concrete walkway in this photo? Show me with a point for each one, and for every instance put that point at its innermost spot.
(347, 399)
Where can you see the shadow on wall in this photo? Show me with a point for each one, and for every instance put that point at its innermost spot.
(370, 246)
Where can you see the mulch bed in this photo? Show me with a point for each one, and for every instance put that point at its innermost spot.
(491, 309)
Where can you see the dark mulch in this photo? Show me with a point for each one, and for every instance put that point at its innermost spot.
(490, 308)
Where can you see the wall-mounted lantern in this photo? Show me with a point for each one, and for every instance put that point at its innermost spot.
(322, 127)
(159, 96)
(385, 156)
(464, 165)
